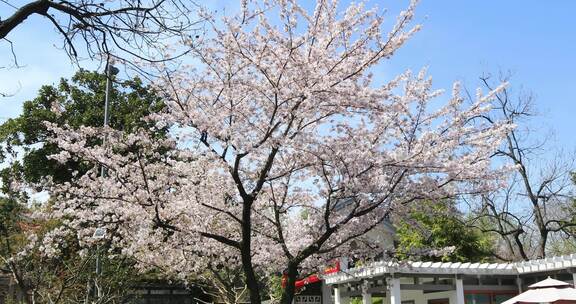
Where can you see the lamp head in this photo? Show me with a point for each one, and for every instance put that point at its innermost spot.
(112, 70)
(99, 233)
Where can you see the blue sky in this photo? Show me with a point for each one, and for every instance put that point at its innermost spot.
(460, 40)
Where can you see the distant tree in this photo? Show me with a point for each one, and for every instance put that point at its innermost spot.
(533, 211)
(10, 215)
(565, 243)
(439, 233)
(224, 284)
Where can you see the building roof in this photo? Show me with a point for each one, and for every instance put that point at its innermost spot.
(548, 283)
(547, 291)
(516, 268)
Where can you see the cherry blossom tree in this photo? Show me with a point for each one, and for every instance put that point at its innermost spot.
(284, 152)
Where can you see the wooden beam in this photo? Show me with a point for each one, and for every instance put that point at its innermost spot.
(492, 287)
(428, 287)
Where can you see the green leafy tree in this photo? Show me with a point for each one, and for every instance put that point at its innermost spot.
(76, 102)
(565, 243)
(438, 233)
(10, 236)
(25, 152)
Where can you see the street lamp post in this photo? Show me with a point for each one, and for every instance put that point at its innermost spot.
(111, 71)
(99, 234)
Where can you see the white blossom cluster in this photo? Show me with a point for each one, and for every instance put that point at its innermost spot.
(281, 139)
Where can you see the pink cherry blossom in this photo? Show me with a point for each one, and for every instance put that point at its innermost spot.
(282, 150)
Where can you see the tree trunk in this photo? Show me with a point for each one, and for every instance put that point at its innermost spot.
(23, 288)
(520, 245)
(540, 223)
(251, 279)
(290, 289)
(246, 253)
(542, 243)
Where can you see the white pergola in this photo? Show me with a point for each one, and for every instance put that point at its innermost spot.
(392, 271)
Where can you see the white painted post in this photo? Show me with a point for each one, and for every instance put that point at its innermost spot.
(326, 293)
(337, 299)
(574, 278)
(366, 296)
(459, 291)
(519, 283)
(395, 292)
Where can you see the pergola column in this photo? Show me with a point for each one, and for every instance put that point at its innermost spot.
(395, 292)
(326, 293)
(366, 296)
(519, 284)
(337, 294)
(572, 270)
(338, 298)
(459, 290)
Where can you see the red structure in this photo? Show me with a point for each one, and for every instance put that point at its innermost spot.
(314, 278)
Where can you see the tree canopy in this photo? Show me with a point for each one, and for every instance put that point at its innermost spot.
(75, 102)
(275, 122)
(62, 277)
(439, 233)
